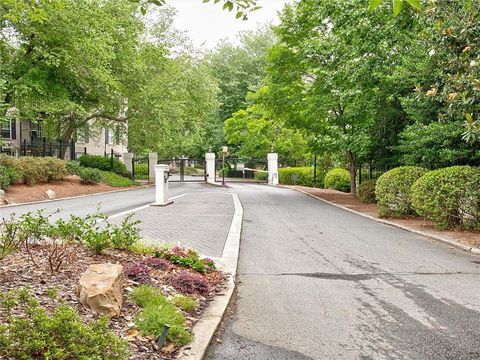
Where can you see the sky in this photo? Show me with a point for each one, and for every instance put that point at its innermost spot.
(207, 23)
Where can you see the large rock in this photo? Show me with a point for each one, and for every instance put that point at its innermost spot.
(3, 201)
(100, 289)
(50, 194)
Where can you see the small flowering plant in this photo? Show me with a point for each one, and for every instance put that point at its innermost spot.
(157, 263)
(190, 283)
(187, 258)
(138, 272)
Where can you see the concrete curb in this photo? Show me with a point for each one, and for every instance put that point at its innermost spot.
(473, 250)
(76, 197)
(206, 327)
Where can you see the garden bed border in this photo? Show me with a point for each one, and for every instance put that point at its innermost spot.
(76, 196)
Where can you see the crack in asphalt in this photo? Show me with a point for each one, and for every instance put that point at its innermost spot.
(358, 277)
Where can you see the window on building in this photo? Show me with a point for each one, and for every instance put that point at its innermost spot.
(6, 128)
(83, 135)
(112, 136)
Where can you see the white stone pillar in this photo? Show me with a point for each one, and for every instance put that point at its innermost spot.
(152, 162)
(272, 168)
(127, 160)
(210, 167)
(161, 185)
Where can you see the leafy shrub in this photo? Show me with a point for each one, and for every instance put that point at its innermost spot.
(450, 197)
(30, 332)
(138, 272)
(184, 302)
(126, 234)
(393, 190)
(261, 175)
(190, 283)
(157, 312)
(33, 170)
(112, 179)
(89, 176)
(56, 169)
(8, 175)
(103, 163)
(7, 160)
(186, 258)
(338, 179)
(366, 191)
(9, 239)
(73, 167)
(304, 176)
(141, 171)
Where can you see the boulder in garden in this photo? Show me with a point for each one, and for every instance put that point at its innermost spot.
(100, 289)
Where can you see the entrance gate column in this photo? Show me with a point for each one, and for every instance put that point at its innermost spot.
(152, 161)
(272, 168)
(210, 167)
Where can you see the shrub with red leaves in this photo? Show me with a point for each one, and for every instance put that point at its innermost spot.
(138, 272)
(157, 263)
(190, 283)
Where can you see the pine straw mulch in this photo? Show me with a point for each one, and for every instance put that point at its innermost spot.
(18, 271)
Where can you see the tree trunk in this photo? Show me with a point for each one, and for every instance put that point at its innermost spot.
(353, 173)
(68, 141)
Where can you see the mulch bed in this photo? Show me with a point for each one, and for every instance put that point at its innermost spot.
(17, 271)
(70, 186)
(469, 238)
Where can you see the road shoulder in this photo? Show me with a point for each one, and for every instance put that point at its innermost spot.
(392, 222)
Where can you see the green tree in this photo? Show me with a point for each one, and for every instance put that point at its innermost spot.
(240, 68)
(337, 65)
(67, 61)
(253, 133)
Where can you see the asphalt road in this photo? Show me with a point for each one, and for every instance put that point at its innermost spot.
(317, 282)
(110, 203)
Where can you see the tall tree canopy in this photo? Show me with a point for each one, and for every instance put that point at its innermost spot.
(70, 64)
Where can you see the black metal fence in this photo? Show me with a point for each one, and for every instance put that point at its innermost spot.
(241, 170)
(186, 169)
(43, 147)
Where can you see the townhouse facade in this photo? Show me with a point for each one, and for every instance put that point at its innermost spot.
(26, 138)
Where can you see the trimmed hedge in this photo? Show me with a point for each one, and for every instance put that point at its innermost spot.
(35, 170)
(89, 176)
(8, 175)
(112, 179)
(304, 176)
(103, 163)
(450, 197)
(338, 179)
(73, 167)
(393, 191)
(366, 191)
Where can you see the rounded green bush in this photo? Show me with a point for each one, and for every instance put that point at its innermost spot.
(90, 176)
(393, 190)
(8, 175)
(37, 170)
(366, 191)
(338, 179)
(304, 176)
(73, 167)
(102, 163)
(450, 197)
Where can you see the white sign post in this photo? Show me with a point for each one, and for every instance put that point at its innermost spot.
(161, 185)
